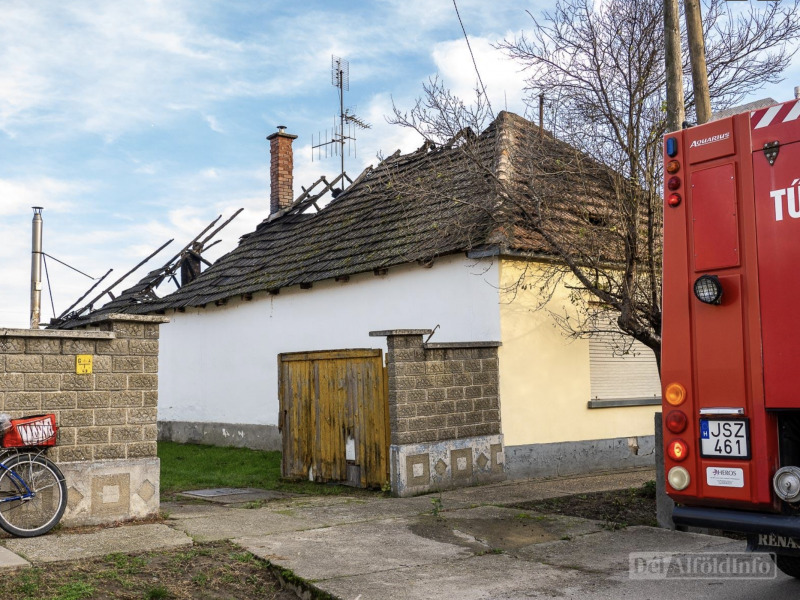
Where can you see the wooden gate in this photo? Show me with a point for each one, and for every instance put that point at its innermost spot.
(334, 416)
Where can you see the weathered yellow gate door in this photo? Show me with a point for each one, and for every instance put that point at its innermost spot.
(334, 416)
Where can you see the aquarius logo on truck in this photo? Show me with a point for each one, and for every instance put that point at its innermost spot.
(792, 201)
(710, 140)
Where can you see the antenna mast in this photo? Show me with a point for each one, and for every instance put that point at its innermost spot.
(340, 79)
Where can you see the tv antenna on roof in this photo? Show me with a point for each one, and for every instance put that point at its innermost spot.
(339, 137)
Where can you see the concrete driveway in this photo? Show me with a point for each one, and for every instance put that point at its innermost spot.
(466, 544)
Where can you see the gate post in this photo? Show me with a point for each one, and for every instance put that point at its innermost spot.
(444, 413)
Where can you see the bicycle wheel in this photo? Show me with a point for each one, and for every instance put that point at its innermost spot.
(39, 514)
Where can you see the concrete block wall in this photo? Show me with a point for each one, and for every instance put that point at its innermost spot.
(441, 391)
(444, 412)
(106, 418)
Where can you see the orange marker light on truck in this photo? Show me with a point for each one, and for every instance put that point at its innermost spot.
(673, 167)
(675, 394)
(677, 450)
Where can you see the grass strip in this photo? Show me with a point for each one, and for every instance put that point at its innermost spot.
(192, 467)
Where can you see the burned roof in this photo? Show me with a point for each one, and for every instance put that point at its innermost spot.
(436, 201)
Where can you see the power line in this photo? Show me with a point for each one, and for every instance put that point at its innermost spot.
(45, 256)
(66, 265)
(49, 287)
(474, 64)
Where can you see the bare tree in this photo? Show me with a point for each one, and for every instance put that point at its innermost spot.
(594, 197)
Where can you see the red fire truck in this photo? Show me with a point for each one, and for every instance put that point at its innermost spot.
(731, 327)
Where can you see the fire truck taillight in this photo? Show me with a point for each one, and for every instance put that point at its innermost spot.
(673, 183)
(708, 289)
(674, 200)
(675, 394)
(677, 450)
(786, 483)
(673, 167)
(678, 478)
(676, 421)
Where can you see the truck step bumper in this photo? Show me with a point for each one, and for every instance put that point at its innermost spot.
(737, 520)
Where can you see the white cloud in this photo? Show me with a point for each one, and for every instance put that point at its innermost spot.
(213, 123)
(147, 169)
(384, 137)
(19, 195)
(501, 76)
(105, 68)
(108, 68)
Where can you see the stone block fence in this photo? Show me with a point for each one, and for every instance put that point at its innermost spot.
(106, 417)
(444, 413)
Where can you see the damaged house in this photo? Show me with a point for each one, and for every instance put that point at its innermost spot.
(481, 381)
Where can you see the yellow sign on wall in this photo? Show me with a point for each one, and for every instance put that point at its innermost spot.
(83, 364)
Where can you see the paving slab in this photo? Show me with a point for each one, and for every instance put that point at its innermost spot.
(224, 523)
(182, 510)
(353, 549)
(498, 577)
(525, 490)
(354, 509)
(780, 587)
(492, 528)
(608, 551)
(9, 560)
(214, 522)
(587, 484)
(508, 528)
(76, 546)
(234, 495)
(406, 505)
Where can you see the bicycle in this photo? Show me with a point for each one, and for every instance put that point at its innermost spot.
(33, 491)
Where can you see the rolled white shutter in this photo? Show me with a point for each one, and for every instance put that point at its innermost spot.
(616, 376)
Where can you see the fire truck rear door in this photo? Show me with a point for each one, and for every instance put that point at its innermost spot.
(777, 198)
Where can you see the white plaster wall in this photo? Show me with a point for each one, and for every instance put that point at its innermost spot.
(219, 364)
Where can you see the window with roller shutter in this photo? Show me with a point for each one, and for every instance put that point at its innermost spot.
(622, 378)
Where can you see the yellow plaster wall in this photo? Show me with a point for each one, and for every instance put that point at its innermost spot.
(544, 376)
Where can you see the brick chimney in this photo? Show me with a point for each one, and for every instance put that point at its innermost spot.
(281, 165)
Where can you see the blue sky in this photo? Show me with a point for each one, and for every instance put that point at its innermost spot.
(133, 122)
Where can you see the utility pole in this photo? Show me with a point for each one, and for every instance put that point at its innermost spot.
(674, 63)
(697, 54)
